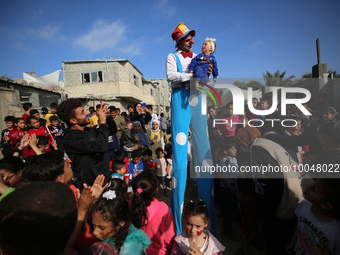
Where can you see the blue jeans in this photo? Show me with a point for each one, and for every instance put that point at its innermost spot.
(162, 180)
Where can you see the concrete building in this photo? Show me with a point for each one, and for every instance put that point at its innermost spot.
(115, 81)
(13, 94)
(162, 95)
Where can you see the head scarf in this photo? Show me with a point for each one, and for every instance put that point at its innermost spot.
(134, 108)
(155, 130)
(144, 140)
(247, 135)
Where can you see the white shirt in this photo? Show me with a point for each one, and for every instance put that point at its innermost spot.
(160, 172)
(172, 73)
(316, 236)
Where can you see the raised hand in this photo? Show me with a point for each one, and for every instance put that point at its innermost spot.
(102, 113)
(98, 186)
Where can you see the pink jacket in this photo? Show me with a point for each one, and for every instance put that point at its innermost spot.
(160, 228)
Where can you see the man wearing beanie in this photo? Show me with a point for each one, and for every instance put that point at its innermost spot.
(185, 112)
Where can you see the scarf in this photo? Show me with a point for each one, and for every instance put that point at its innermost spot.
(247, 135)
(144, 140)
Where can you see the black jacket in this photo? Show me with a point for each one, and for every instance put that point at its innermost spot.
(87, 150)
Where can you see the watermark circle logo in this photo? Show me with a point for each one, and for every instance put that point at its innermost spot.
(193, 100)
(207, 162)
(181, 138)
(174, 182)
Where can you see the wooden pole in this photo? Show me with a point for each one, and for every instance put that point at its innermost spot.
(318, 50)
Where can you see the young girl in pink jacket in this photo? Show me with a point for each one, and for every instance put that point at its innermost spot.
(152, 216)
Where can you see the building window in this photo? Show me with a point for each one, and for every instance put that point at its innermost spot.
(92, 77)
(152, 92)
(136, 80)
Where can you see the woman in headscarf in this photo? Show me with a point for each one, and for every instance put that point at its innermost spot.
(140, 135)
(140, 114)
(137, 140)
(155, 136)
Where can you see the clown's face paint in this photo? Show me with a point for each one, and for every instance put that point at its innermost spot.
(102, 229)
(195, 225)
(185, 44)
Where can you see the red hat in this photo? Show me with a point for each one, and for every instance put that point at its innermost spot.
(180, 32)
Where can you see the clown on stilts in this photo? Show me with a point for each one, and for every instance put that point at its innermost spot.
(185, 112)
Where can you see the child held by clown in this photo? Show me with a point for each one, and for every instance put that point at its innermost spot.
(199, 65)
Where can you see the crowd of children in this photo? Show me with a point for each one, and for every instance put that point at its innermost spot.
(121, 213)
(109, 219)
(117, 214)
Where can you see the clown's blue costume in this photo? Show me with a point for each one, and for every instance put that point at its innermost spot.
(186, 110)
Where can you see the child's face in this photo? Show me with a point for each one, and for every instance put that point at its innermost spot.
(102, 229)
(230, 110)
(212, 113)
(160, 154)
(35, 124)
(195, 225)
(255, 103)
(147, 158)
(9, 124)
(207, 48)
(10, 179)
(43, 148)
(314, 193)
(328, 116)
(37, 115)
(298, 125)
(53, 110)
(121, 171)
(68, 173)
(231, 152)
(136, 160)
(129, 126)
(155, 125)
(314, 119)
(55, 123)
(264, 105)
(21, 124)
